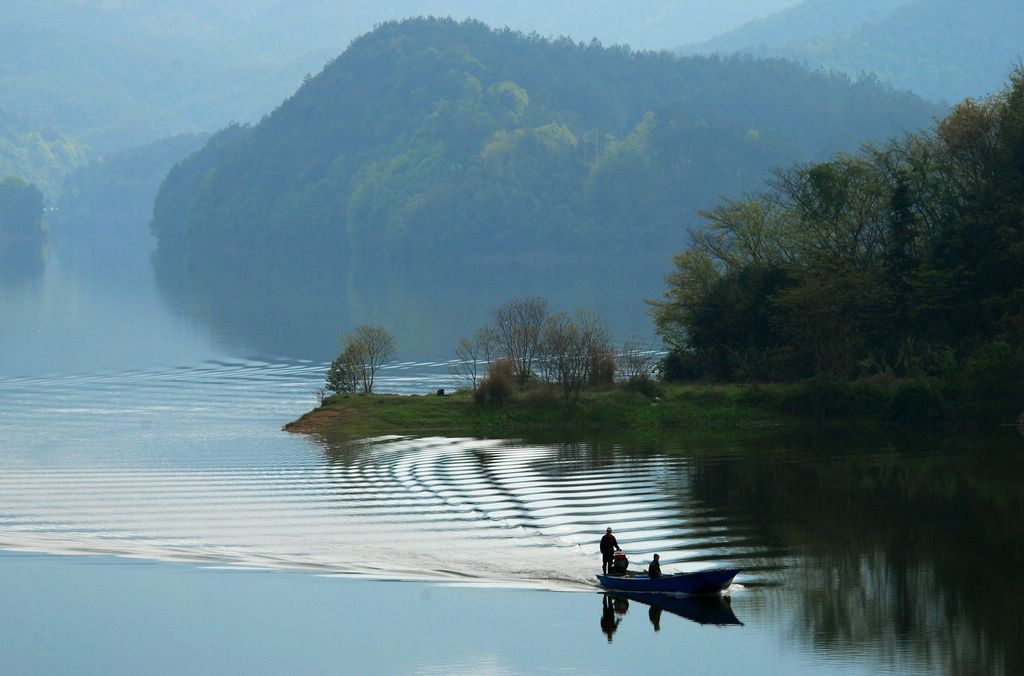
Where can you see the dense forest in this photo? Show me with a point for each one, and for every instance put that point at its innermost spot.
(40, 153)
(944, 50)
(433, 138)
(905, 259)
(116, 75)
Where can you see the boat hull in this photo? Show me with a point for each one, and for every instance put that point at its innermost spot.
(702, 582)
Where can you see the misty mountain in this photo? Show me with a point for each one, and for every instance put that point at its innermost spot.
(105, 205)
(121, 74)
(438, 138)
(944, 50)
(40, 153)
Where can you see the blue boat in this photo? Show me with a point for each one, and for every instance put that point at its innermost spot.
(702, 582)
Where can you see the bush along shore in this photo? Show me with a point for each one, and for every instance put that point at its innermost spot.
(655, 407)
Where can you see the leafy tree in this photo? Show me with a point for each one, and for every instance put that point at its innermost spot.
(363, 353)
(901, 256)
(342, 376)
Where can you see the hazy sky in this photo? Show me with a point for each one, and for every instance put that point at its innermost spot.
(641, 23)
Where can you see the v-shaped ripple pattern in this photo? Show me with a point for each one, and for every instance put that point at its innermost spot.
(171, 476)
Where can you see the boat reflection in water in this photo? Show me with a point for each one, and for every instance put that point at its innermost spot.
(715, 610)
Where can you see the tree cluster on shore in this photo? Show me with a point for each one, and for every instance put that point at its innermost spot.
(904, 260)
(527, 346)
(363, 352)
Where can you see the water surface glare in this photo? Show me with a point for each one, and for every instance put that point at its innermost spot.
(867, 555)
(190, 464)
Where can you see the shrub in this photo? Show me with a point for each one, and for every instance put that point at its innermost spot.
(498, 386)
(646, 387)
(991, 384)
(679, 366)
(917, 400)
(829, 397)
(602, 368)
(541, 395)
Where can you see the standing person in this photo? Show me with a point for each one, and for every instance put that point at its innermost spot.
(654, 570)
(608, 547)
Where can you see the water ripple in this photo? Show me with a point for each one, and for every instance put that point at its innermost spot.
(190, 464)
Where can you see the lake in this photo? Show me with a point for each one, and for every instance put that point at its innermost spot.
(154, 518)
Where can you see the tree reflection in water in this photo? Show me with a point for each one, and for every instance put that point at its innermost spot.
(904, 548)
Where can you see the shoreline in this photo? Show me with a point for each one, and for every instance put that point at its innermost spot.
(651, 409)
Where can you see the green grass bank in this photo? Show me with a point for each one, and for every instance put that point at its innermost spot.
(656, 406)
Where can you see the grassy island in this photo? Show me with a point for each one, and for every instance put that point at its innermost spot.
(683, 406)
(653, 408)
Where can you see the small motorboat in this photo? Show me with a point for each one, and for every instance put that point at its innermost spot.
(712, 581)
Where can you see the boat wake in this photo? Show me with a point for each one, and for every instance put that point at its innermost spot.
(168, 478)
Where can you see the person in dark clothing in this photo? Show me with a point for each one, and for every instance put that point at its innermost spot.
(654, 615)
(608, 547)
(609, 623)
(654, 570)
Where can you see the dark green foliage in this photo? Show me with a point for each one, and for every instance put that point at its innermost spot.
(733, 329)
(893, 262)
(917, 400)
(340, 376)
(991, 384)
(827, 397)
(645, 386)
(431, 138)
(679, 365)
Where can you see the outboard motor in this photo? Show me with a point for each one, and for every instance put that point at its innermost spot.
(619, 564)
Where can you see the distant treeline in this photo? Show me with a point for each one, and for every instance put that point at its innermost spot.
(906, 259)
(431, 137)
(39, 153)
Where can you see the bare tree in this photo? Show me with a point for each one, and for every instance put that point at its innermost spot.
(380, 346)
(363, 352)
(474, 357)
(600, 354)
(570, 349)
(637, 360)
(518, 325)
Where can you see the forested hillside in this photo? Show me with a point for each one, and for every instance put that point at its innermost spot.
(940, 49)
(116, 75)
(437, 138)
(40, 153)
(904, 259)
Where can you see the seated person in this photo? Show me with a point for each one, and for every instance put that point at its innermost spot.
(654, 570)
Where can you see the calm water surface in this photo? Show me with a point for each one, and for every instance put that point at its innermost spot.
(195, 535)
